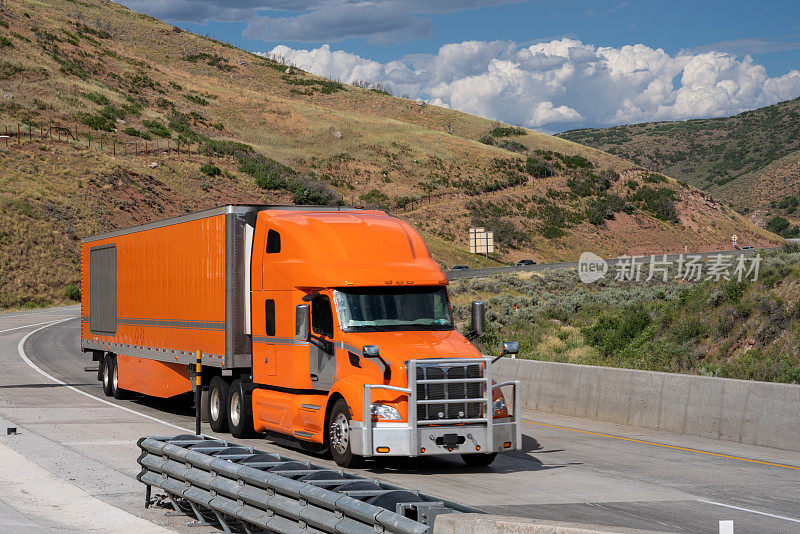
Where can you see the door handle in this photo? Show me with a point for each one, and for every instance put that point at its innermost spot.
(314, 377)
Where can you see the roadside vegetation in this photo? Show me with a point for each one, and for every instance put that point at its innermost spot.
(748, 330)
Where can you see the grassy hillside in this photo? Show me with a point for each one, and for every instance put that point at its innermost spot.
(749, 160)
(125, 119)
(748, 330)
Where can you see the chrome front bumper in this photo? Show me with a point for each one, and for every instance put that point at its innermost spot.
(448, 436)
(396, 439)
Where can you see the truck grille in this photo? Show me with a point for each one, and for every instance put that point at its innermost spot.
(469, 409)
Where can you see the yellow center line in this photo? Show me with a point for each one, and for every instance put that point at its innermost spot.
(663, 445)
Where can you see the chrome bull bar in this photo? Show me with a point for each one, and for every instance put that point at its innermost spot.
(511, 427)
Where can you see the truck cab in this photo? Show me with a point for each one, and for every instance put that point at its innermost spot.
(354, 345)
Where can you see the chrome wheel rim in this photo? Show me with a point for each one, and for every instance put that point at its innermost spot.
(236, 408)
(340, 433)
(115, 379)
(106, 378)
(214, 404)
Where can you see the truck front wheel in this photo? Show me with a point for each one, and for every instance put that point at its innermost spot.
(218, 392)
(240, 411)
(339, 436)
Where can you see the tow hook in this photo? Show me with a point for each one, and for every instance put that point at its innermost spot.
(450, 442)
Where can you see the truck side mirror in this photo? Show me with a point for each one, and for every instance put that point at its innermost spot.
(302, 322)
(478, 317)
(373, 352)
(509, 347)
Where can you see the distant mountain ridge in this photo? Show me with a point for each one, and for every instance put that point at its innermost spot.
(744, 160)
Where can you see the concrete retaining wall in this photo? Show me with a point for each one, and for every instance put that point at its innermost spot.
(496, 524)
(759, 413)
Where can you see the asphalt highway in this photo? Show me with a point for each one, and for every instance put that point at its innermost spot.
(570, 469)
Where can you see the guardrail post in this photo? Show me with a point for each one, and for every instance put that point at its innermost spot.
(198, 392)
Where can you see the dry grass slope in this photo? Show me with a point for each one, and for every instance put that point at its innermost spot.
(278, 135)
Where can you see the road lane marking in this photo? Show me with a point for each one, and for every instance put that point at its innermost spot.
(24, 356)
(751, 511)
(664, 445)
(25, 326)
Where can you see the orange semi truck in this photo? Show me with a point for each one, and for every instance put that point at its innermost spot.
(329, 325)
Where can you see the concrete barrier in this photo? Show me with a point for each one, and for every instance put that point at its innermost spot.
(495, 524)
(758, 413)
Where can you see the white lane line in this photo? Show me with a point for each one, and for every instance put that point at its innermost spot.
(26, 326)
(751, 511)
(24, 356)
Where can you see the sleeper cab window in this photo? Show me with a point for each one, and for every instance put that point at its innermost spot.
(269, 309)
(273, 242)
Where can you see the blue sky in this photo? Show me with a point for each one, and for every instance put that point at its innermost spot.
(411, 34)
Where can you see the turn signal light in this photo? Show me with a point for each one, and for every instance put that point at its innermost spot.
(477, 447)
(507, 445)
(382, 449)
(422, 450)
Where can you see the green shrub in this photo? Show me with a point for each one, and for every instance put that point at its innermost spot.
(5, 42)
(197, 99)
(377, 198)
(73, 292)
(156, 127)
(660, 202)
(130, 130)
(210, 169)
(506, 131)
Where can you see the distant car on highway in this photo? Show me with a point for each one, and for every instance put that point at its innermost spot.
(747, 248)
(526, 262)
(460, 267)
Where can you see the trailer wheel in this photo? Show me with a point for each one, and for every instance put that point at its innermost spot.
(218, 403)
(107, 367)
(116, 391)
(240, 411)
(339, 438)
(479, 460)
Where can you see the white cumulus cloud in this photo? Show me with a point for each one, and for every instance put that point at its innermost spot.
(564, 83)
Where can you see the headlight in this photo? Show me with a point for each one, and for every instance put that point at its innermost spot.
(499, 408)
(387, 413)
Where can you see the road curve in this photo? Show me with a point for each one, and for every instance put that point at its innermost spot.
(570, 469)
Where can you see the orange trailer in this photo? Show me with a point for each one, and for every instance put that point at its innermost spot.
(329, 325)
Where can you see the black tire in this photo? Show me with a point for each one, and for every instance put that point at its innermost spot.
(116, 391)
(240, 411)
(218, 392)
(107, 368)
(479, 460)
(338, 431)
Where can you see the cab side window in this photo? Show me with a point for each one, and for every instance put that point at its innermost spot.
(322, 315)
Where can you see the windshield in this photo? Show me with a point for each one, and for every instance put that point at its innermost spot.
(386, 309)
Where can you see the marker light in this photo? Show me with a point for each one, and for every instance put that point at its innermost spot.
(507, 445)
(382, 449)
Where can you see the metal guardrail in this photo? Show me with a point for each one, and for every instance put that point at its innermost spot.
(233, 486)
